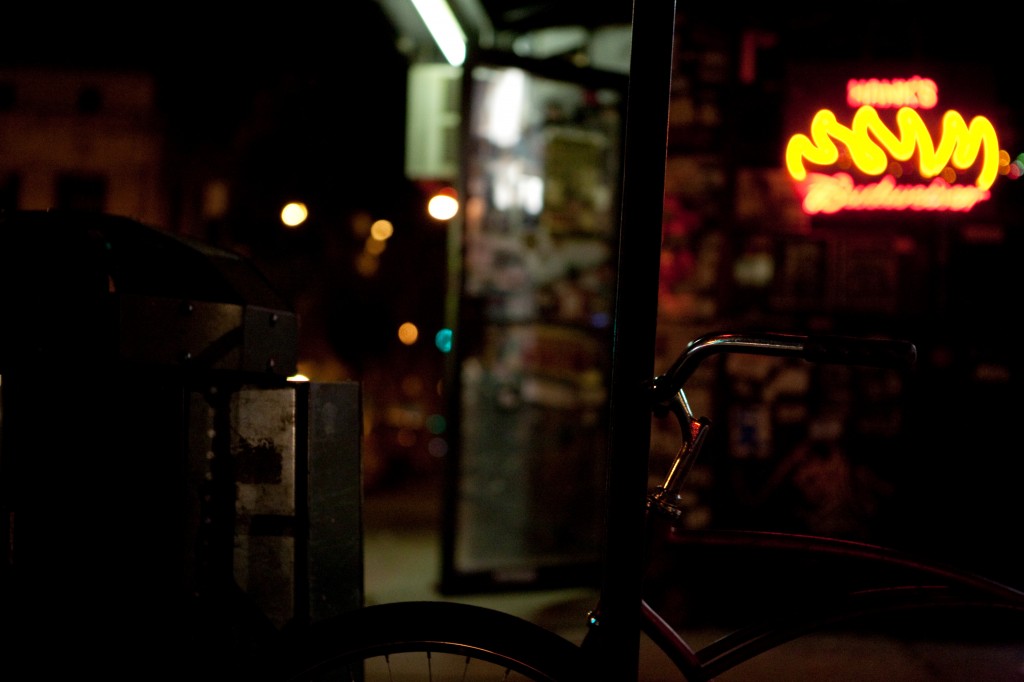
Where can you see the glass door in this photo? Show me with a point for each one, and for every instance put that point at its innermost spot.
(537, 253)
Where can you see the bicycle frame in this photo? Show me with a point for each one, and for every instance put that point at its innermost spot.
(915, 584)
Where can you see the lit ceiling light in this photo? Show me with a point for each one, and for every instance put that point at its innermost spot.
(444, 28)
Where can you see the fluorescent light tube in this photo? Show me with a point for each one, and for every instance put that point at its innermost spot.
(444, 28)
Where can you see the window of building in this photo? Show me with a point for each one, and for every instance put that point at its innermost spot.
(8, 95)
(9, 187)
(81, 192)
(90, 100)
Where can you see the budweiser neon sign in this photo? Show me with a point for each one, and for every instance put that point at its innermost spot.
(913, 171)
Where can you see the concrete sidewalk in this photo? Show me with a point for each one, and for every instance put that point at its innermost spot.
(402, 562)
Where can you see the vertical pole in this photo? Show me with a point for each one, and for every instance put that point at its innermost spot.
(635, 321)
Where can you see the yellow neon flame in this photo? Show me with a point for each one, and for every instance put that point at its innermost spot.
(960, 144)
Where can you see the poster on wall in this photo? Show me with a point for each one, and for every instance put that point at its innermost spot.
(532, 357)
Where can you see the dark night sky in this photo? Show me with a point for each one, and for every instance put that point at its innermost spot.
(329, 79)
(183, 34)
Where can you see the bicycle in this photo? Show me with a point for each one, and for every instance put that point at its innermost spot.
(433, 638)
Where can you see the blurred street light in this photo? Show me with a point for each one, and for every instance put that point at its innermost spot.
(443, 205)
(294, 214)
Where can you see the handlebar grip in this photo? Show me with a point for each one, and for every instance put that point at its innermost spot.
(860, 351)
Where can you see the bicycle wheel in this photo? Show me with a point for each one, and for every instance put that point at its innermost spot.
(433, 641)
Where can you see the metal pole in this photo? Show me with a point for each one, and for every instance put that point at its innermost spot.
(635, 322)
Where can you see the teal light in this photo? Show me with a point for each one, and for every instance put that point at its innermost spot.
(436, 424)
(443, 340)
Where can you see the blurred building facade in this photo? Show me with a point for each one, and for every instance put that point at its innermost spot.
(82, 140)
(866, 455)
(738, 250)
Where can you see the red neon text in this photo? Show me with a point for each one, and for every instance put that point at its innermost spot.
(833, 193)
(916, 93)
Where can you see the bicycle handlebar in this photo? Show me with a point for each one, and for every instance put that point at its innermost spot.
(846, 350)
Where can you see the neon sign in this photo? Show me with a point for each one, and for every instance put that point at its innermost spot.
(916, 92)
(868, 145)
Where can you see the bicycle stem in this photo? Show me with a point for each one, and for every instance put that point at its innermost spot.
(667, 498)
